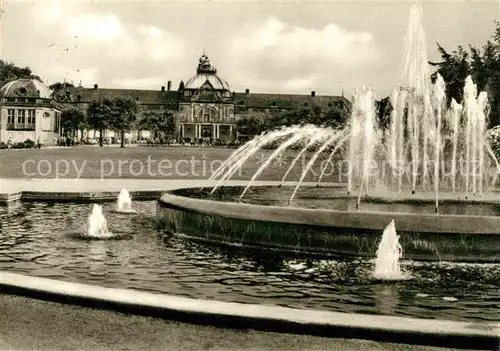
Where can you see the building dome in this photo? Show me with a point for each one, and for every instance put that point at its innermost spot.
(206, 77)
(32, 87)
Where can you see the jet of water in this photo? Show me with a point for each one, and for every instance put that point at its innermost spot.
(124, 202)
(299, 155)
(389, 252)
(230, 167)
(336, 135)
(97, 223)
(292, 141)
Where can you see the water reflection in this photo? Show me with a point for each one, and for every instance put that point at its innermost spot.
(386, 298)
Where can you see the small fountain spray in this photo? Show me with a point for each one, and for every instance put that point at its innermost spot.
(124, 202)
(97, 223)
(389, 252)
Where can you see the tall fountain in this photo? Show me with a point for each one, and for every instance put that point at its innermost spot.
(97, 223)
(427, 148)
(430, 169)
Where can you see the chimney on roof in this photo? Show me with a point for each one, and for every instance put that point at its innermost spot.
(247, 91)
(162, 88)
(313, 93)
(169, 85)
(96, 86)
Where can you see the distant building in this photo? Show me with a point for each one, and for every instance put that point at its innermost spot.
(204, 107)
(28, 111)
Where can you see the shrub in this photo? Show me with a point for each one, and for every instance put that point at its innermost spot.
(28, 144)
(3, 145)
(493, 136)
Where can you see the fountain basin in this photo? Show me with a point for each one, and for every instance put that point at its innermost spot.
(333, 233)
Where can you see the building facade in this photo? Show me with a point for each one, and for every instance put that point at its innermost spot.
(204, 107)
(28, 111)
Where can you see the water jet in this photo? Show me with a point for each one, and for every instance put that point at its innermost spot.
(124, 202)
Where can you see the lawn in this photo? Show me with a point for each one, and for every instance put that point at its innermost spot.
(148, 163)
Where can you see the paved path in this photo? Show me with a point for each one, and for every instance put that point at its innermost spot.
(12, 185)
(9, 185)
(30, 324)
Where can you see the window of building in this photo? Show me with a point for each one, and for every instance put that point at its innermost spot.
(10, 116)
(206, 117)
(21, 117)
(31, 116)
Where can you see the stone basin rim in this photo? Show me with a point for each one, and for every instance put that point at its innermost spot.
(399, 329)
(369, 220)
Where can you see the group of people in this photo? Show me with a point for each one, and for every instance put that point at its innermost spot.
(67, 141)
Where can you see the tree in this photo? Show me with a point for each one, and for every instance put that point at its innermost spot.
(157, 122)
(332, 116)
(73, 119)
(124, 115)
(250, 126)
(58, 85)
(454, 68)
(9, 71)
(482, 64)
(119, 114)
(100, 116)
(383, 109)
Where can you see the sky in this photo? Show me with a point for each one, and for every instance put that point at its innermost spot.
(269, 47)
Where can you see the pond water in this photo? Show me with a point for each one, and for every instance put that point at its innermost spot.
(40, 239)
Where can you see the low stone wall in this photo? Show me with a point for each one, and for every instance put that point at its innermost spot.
(330, 233)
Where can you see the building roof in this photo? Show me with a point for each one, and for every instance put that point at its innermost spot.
(154, 97)
(285, 101)
(32, 87)
(172, 97)
(200, 79)
(206, 77)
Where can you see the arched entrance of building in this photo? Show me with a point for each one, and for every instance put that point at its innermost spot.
(206, 132)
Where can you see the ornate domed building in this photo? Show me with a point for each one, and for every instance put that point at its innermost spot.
(206, 105)
(28, 111)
